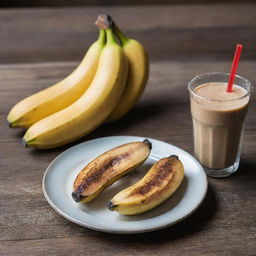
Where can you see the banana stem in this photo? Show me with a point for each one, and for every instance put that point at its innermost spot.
(110, 36)
(102, 36)
(104, 21)
(123, 39)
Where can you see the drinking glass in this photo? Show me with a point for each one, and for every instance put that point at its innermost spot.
(218, 125)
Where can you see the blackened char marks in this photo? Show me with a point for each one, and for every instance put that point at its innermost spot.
(97, 172)
(164, 170)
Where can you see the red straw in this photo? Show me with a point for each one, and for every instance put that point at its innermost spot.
(234, 67)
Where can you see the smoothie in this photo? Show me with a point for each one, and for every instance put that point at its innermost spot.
(218, 119)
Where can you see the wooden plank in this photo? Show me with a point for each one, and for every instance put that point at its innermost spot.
(168, 80)
(161, 243)
(168, 32)
(19, 81)
(29, 226)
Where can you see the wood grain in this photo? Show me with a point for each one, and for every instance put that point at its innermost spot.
(224, 224)
(28, 223)
(178, 31)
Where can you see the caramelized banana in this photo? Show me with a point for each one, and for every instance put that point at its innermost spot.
(155, 187)
(108, 168)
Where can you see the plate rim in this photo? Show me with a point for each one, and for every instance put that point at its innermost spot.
(119, 231)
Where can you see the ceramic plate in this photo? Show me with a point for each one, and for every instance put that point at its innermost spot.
(59, 177)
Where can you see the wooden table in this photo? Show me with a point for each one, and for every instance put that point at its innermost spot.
(40, 46)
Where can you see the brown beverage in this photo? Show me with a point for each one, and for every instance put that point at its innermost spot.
(218, 119)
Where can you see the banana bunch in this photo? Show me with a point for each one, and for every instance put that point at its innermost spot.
(103, 88)
(160, 182)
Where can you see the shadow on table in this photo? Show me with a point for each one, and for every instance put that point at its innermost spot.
(196, 222)
(19, 132)
(136, 116)
(245, 173)
(100, 202)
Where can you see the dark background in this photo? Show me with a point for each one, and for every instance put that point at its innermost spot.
(169, 32)
(36, 3)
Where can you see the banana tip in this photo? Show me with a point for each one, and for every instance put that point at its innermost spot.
(147, 142)
(111, 206)
(9, 124)
(24, 142)
(174, 156)
(76, 196)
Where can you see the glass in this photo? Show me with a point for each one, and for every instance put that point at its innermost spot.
(218, 125)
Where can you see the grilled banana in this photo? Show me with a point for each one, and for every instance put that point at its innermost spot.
(108, 168)
(155, 187)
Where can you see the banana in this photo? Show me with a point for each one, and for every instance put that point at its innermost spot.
(91, 109)
(155, 187)
(57, 97)
(137, 74)
(108, 168)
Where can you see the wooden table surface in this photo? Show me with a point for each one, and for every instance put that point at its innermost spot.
(40, 46)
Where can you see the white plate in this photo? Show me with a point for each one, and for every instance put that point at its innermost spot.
(59, 177)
